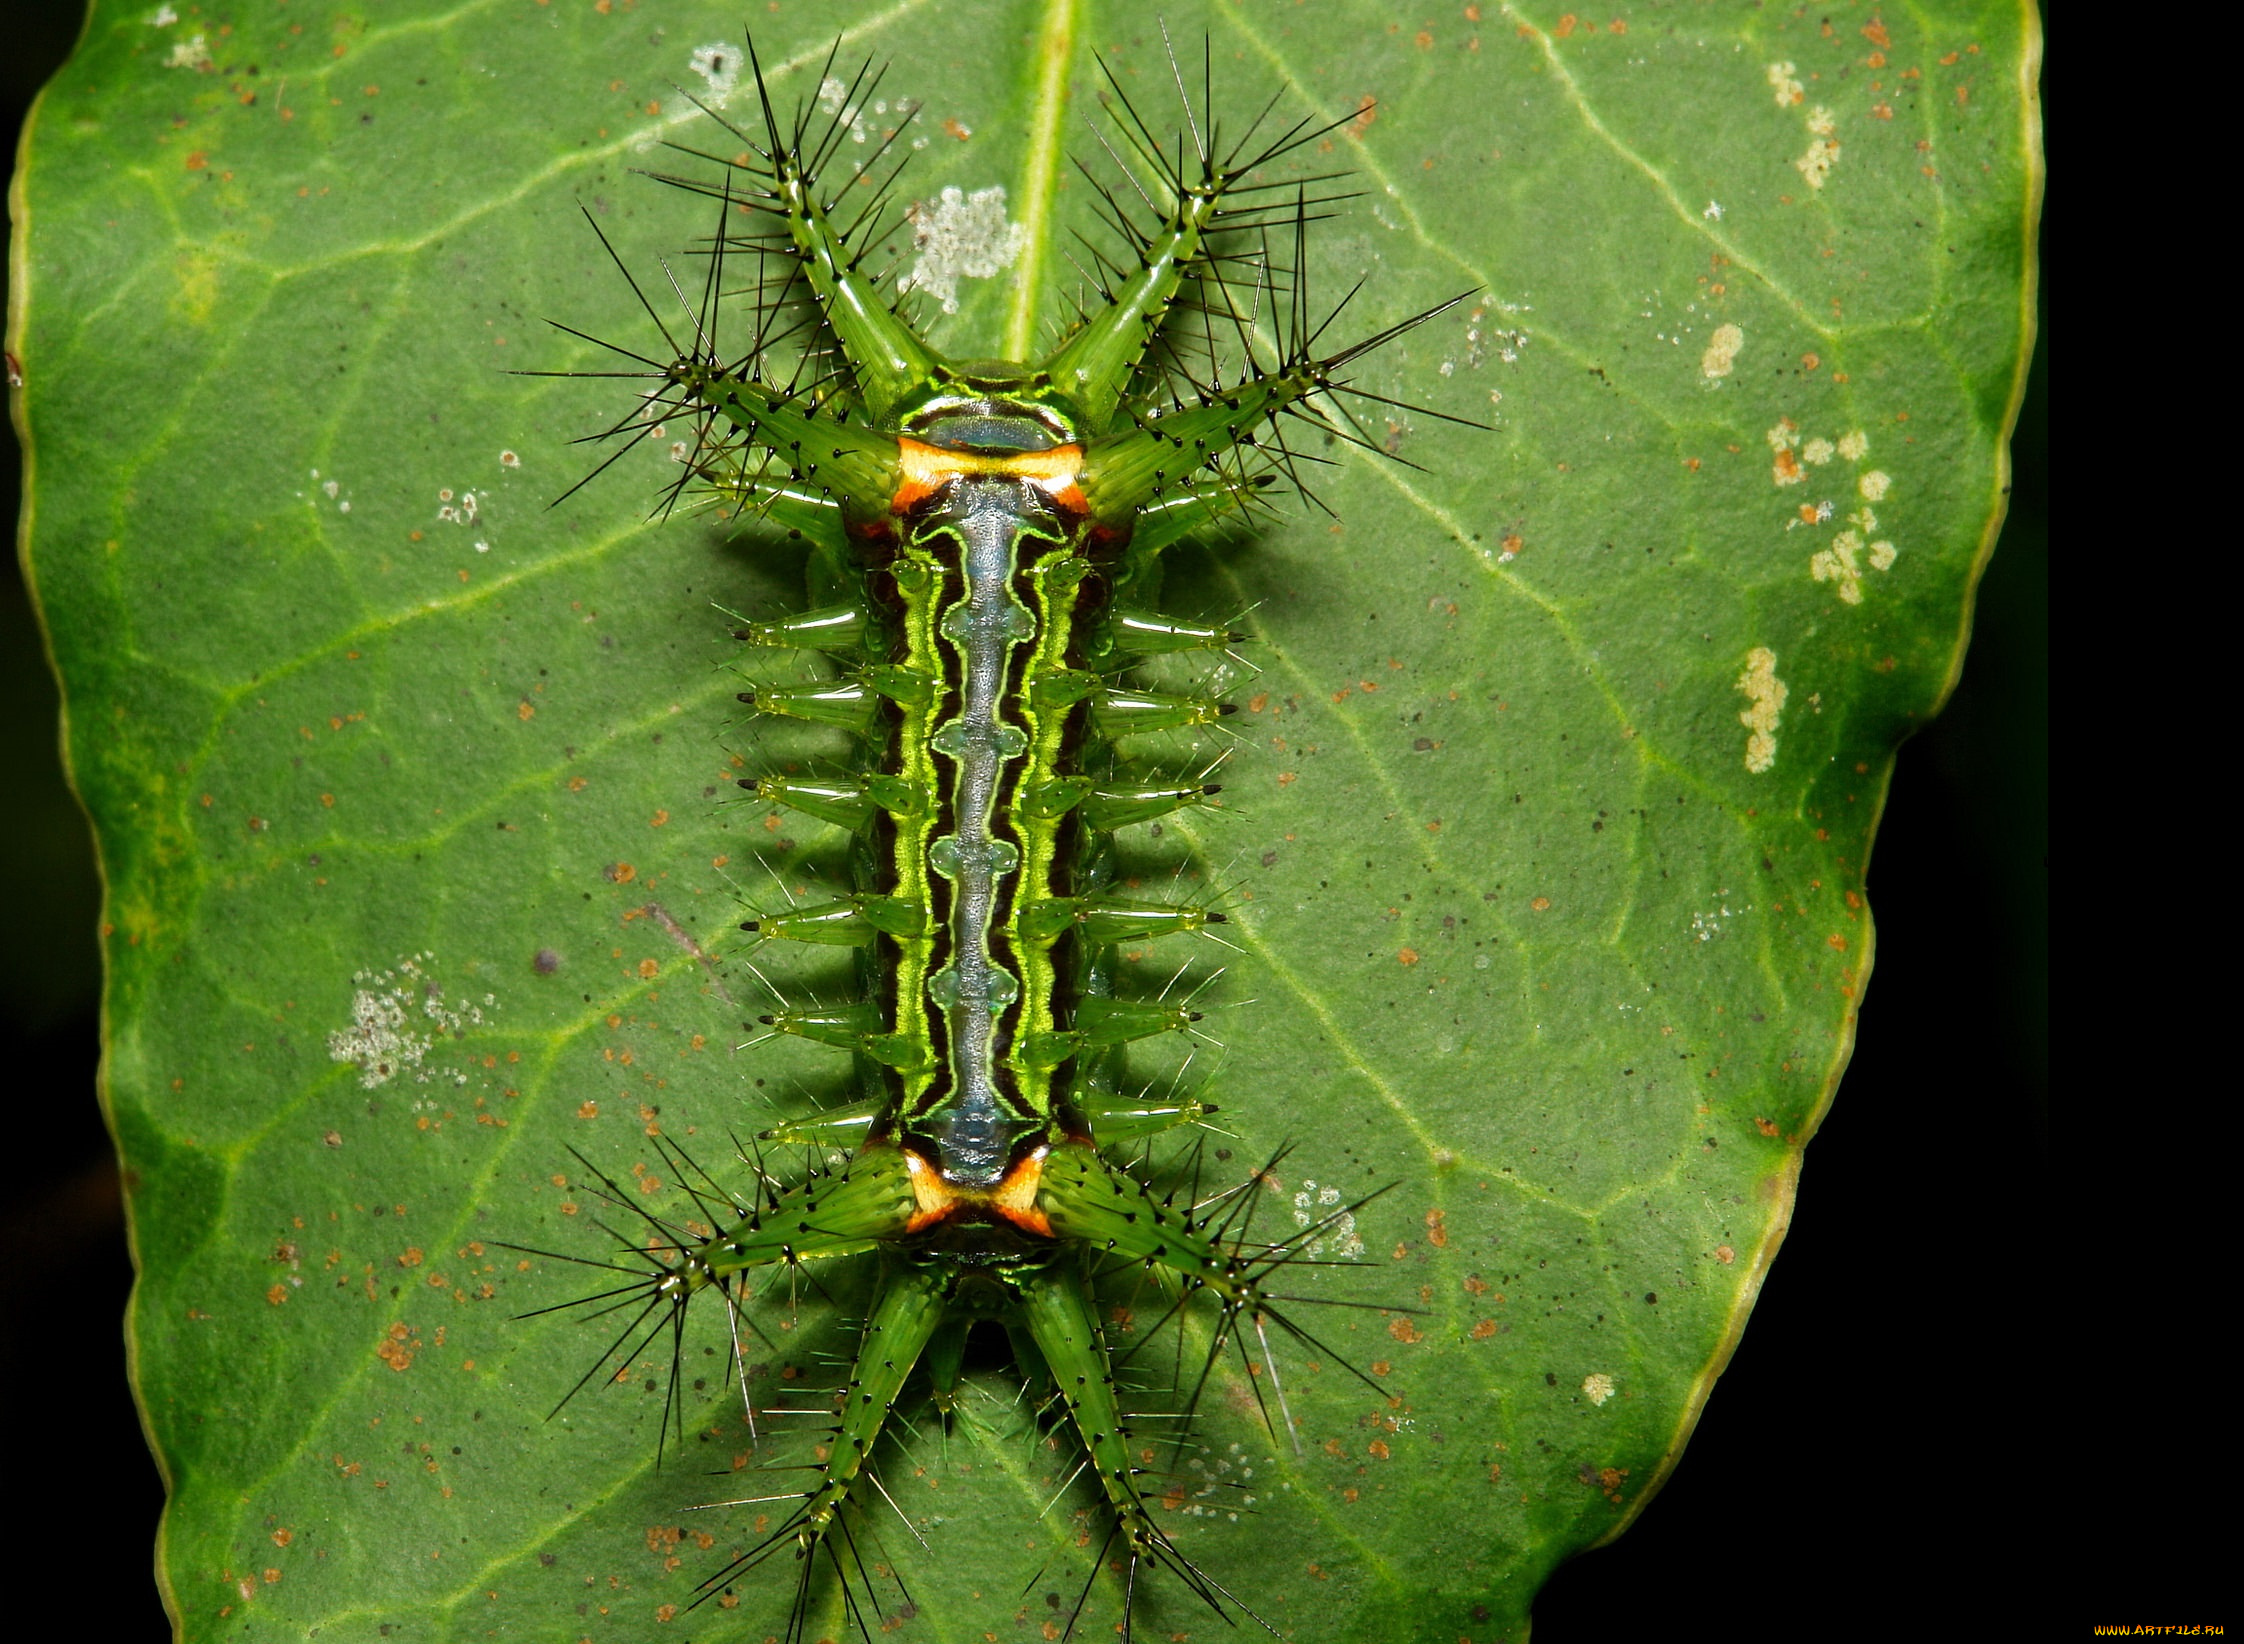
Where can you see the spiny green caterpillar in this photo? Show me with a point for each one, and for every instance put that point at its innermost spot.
(984, 538)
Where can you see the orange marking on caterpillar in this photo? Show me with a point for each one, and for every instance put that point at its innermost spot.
(1012, 1200)
(928, 468)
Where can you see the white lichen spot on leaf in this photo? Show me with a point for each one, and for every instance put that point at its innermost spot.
(1318, 1207)
(1823, 147)
(1784, 466)
(1224, 1486)
(1482, 338)
(1765, 694)
(1843, 561)
(1597, 1387)
(720, 65)
(332, 490)
(1823, 125)
(1709, 923)
(397, 1015)
(1721, 352)
(833, 97)
(1856, 549)
(961, 237)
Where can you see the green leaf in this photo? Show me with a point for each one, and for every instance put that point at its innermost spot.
(388, 761)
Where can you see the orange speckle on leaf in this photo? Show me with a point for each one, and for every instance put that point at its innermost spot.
(1408, 956)
(1541, 904)
(396, 1349)
(526, 710)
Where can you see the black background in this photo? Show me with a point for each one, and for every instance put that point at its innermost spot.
(1923, 1430)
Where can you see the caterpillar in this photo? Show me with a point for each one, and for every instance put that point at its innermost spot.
(983, 650)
